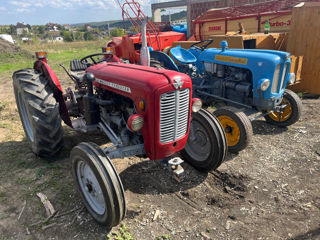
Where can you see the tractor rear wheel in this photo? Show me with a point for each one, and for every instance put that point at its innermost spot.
(206, 147)
(39, 112)
(99, 184)
(237, 127)
(290, 113)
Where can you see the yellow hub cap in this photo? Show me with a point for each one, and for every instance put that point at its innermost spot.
(231, 129)
(282, 116)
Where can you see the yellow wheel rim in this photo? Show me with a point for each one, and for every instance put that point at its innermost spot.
(231, 129)
(282, 116)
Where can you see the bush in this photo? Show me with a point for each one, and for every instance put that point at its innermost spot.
(116, 32)
(67, 36)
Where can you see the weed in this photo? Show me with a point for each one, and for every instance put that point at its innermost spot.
(123, 235)
(163, 237)
(2, 193)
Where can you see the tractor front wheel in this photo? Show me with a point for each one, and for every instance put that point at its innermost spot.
(99, 184)
(289, 114)
(206, 147)
(237, 127)
(39, 112)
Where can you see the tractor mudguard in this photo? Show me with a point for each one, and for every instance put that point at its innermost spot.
(165, 59)
(55, 85)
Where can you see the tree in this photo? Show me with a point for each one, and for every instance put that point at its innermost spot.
(77, 36)
(41, 29)
(67, 36)
(12, 29)
(88, 36)
(116, 32)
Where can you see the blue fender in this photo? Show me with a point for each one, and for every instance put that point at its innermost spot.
(165, 59)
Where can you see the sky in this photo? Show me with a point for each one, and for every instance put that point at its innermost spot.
(39, 12)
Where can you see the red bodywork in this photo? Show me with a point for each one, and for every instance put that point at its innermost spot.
(144, 83)
(129, 46)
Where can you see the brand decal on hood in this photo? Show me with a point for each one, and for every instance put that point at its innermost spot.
(229, 59)
(114, 85)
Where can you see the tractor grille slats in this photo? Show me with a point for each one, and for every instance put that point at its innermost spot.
(277, 83)
(174, 115)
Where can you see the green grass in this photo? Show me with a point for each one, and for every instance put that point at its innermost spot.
(57, 53)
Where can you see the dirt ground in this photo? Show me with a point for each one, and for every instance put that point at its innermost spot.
(268, 191)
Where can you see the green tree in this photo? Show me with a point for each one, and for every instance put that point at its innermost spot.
(12, 29)
(67, 36)
(116, 32)
(41, 29)
(78, 36)
(88, 36)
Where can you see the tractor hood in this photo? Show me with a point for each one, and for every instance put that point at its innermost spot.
(248, 58)
(133, 80)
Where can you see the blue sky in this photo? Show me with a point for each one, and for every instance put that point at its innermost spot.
(36, 12)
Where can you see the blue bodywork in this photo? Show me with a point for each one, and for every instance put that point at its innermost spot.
(262, 64)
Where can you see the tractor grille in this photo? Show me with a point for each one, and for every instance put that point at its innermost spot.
(277, 82)
(174, 115)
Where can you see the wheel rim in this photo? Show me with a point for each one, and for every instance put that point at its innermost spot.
(198, 145)
(25, 118)
(231, 129)
(283, 115)
(90, 187)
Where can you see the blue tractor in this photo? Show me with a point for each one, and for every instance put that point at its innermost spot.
(239, 83)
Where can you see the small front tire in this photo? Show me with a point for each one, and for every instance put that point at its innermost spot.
(206, 147)
(99, 184)
(237, 127)
(290, 114)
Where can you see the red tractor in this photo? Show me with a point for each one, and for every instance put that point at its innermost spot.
(142, 111)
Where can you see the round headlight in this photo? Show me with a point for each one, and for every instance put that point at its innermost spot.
(135, 122)
(196, 104)
(264, 84)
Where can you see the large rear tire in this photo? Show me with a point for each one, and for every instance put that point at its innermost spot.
(39, 112)
(206, 147)
(290, 114)
(99, 184)
(237, 127)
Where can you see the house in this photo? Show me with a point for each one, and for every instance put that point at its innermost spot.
(67, 27)
(21, 28)
(52, 27)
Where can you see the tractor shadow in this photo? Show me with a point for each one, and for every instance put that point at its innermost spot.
(261, 127)
(152, 178)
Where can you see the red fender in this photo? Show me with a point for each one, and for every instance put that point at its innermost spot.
(55, 85)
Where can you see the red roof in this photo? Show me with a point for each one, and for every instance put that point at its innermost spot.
(230, 12)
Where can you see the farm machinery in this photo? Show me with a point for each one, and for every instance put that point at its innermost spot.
(238, 83)
(143, 111)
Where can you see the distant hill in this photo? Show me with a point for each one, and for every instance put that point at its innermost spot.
(119, 23)
(174, 16)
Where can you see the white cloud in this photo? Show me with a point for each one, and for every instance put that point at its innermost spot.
(63, 4)
(2, 9)
(22, 10)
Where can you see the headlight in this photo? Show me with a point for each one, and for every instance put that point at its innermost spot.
(135, 122)
(292, 78)
(265, 83)
(196, 104)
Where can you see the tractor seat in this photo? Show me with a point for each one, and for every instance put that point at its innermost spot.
(182, 55)
(76, 65)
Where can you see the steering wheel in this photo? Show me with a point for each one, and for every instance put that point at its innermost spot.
(202, 47)
(91, 57)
